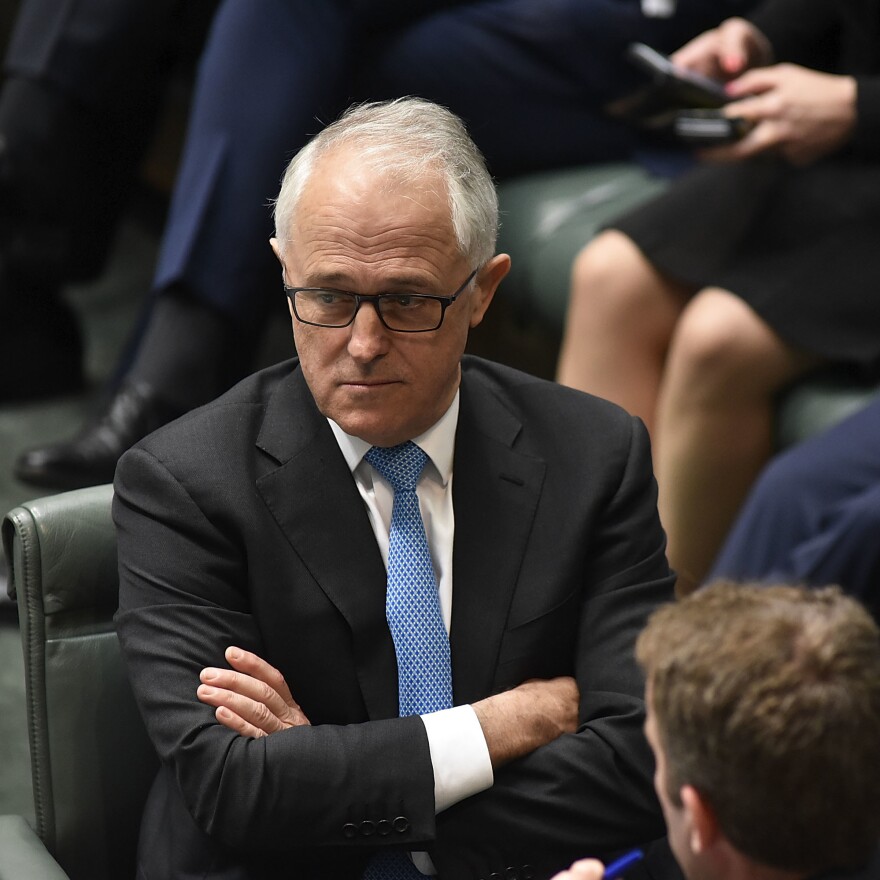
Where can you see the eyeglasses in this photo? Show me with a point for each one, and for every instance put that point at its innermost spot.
(401, 312)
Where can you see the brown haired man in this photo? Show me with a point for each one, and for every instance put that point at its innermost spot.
(764, 717)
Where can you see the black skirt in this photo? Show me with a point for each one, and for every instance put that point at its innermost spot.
(800, 245)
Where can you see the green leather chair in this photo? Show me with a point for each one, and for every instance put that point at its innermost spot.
(547, 218)
(92, 763)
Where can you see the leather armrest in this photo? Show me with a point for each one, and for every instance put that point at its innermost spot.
(22, 854)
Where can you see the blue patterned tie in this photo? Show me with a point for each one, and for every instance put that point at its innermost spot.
(412, 608)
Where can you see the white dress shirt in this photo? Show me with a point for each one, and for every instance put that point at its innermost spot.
(459, 754)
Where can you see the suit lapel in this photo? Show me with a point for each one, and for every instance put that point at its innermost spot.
(495, 496)
(313, 498)
(311, 494)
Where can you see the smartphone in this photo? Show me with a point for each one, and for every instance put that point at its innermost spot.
(708, 127)
(687, 88)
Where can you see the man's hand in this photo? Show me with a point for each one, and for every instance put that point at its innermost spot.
(725, 51)
(585, 869)
(252, 698)
(803, 113)
(518, 721)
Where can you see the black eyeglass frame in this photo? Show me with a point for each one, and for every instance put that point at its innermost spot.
(375, 300)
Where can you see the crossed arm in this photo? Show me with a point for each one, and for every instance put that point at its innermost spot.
(253, 699)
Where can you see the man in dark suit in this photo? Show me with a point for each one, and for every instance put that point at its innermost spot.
(253, 532)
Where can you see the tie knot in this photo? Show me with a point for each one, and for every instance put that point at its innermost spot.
(401, 465)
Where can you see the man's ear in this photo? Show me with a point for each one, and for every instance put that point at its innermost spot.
(488, 279)
(703, 828)
(277, 250)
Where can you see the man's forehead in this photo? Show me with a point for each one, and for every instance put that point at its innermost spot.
(341, 231)
(372, 174)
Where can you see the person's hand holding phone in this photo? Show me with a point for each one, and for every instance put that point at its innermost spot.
(726, 51)
(802, 113)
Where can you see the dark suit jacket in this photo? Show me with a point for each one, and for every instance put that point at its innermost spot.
(241, 524)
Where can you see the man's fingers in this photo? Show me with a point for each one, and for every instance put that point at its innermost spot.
(246, 686)
(251, 698)
(253, 693)
(234, 722)
(254, 666)
(249, 710)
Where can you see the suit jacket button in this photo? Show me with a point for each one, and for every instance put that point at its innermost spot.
(349, 830)
(401, 824)
(383, 826)
(527, 872)
(512, 873)
(368, 828)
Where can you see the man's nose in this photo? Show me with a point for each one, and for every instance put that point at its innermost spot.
(369, 337)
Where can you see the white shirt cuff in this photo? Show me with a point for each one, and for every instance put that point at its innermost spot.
(459, 755)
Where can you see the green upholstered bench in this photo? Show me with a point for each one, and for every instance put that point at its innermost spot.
(546, 218)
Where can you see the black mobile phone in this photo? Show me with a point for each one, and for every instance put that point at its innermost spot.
(687, 88)
(708, 127)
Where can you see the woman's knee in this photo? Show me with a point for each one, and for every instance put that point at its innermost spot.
(604, 261)
(721, 347)
(613, 284)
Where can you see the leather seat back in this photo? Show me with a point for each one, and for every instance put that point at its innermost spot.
(92, 763)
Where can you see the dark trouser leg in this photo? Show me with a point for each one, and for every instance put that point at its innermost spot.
(814, 514)
(271, 74)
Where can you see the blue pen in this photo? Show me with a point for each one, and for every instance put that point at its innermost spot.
(616, 868)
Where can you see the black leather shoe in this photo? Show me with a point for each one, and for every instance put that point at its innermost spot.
(89, 459)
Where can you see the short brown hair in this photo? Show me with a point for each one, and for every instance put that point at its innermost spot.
(766, 700)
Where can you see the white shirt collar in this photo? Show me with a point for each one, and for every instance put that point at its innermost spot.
(438, 442)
